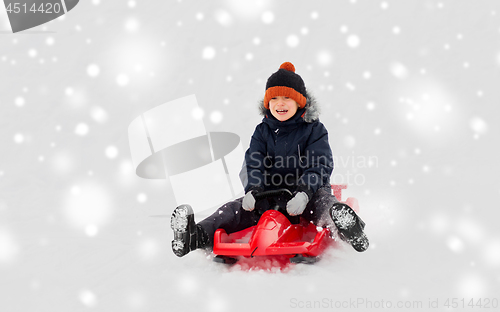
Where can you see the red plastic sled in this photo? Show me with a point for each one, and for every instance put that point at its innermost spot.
(274, 235)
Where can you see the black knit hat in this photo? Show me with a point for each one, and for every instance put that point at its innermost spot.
(285, 82)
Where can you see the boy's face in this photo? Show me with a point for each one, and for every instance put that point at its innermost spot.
(282, 107)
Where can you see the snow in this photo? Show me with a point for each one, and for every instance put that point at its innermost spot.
(353, 41)
(197, 113)
(82, 129)
(87, 204)
(132, 25)
(208, 53)
(111, 152)
(216, 117)
(88, 298)
(324, 58)
(399, 70)
(455, 244)
(93, 70)
(9, 248)
(224, 18)
(19, 138)
(20, 101)
(142, 198)
(267, 17)
(99, 114)
(131, 4)
(32, 53)
(122, 80)
(292, 41)
(478, 125)
(80, 231)
(91, 230)
(491, 252)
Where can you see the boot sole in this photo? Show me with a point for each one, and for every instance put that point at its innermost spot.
(179, 222)
(360, 243)
(350, 226)
(343, 217)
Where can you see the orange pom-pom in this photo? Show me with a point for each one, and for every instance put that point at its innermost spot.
(288, 66)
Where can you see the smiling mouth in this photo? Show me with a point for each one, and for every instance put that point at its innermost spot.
(282, 111)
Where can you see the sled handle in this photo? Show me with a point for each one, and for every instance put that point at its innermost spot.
(337, 190)
(271, 193)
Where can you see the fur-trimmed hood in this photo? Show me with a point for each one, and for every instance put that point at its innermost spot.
(312, 108)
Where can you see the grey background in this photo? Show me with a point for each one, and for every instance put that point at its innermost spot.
(411, 85)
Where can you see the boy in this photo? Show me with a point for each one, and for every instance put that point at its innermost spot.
(289, 149)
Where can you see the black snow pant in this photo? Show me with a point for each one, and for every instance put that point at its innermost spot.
(231, 217)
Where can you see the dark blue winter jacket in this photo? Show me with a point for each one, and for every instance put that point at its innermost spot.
(293, 154)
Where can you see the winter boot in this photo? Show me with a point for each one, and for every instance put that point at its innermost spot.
(187, 234)
(350, 226)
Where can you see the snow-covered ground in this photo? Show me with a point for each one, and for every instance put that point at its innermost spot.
(409, 94)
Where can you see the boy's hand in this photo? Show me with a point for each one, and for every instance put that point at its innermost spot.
(297, 204)
(248, 202)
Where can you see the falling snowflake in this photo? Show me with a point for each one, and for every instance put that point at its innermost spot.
(88, 298)
(292, 41)
(111, 152)
(208, 53)
(122, 80)
(267, 17)
(82, 129)
(353, 41)
(93, 70)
